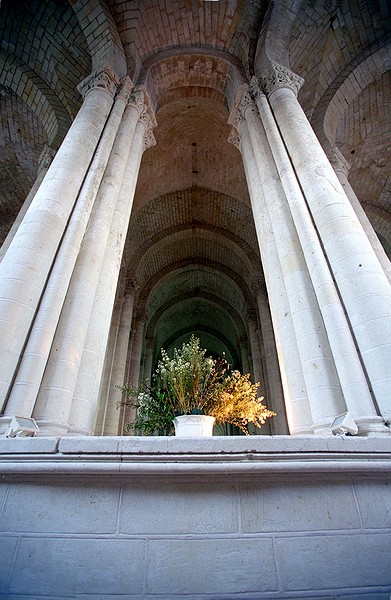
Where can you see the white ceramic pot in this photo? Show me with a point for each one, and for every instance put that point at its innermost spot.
(194, 426)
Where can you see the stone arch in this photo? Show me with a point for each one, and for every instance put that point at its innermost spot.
(20, 79)
(101, 34)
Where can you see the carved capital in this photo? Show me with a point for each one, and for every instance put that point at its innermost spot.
(105, 79)
(243, 100)
(125, 89)
(140, 98)
(259, 287)
(255, 89)
(45, 158)
(234, 138)
(277, 77)
(337, 160)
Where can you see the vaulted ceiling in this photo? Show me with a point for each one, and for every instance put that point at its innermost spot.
(192, 246)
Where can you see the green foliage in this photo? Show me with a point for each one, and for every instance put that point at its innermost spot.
(191, 383)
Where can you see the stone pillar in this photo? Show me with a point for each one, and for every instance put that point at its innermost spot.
(295, 393)
(112, 396)
(44, 162)
(274, 394)
(354, 384)
(29, 258)
(90, 371)
(148, 363)
(35, 356)
(135, 363)
(341, 168)
(55, 396)
(322, 383)
(362, 284)
(257, 370)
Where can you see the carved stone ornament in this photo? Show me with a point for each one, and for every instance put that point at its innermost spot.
(255, 89)
(242, 101)
(140, 99)
(106, 80)
(234, 138)
(277, 77)
(45, 158)
(337, 160)
(125, 89)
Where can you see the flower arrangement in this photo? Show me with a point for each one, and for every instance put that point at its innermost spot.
(193, 383)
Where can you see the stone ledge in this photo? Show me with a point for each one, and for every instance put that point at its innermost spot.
(229, 445)
(171, 457)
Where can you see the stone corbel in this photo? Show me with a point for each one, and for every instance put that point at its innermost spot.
(105, 79)
(277, 77)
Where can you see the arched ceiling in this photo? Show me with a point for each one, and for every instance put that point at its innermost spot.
(191, 219)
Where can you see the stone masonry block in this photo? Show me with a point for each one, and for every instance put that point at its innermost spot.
(210, 566)
(305, 506)
(7, 545)
(179, 508)
(64, 567)
(334, 561)
(374, 503)
(60, 508)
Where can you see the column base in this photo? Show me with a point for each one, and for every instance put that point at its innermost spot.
(371, 426)
(47, 427)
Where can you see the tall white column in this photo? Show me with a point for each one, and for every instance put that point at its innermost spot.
(341, 168)
(258, 371)
(361, 281)
(295, 393)
(56, 392)
(354, 384)
(29, 258)
(322, 382)
(90, 371)
(111, 396)
(274, 394)
(35, 355)
(135, 363)
(44, 162)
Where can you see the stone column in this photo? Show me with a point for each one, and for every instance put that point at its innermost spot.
(111, 397)
(341, 168)
(362, 284)
(148, 364)
(135, 362)
(274, 394)
(322, 383)
(44, 162)
(257, 370)
(295, 393)
(354, 384)
(31, 369)
(29, 258)
(90, 370)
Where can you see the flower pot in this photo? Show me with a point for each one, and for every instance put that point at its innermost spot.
(194, 426)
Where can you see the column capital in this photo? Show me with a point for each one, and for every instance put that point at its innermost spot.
(234, 138)
(45, 158)
(242, 101)
(337, 160)
(276, 77)
(131, 287)
(125, 89)
(104, 79)
(259, 287)
(140, 99)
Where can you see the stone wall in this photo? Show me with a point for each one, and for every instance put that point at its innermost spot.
(269, 517)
